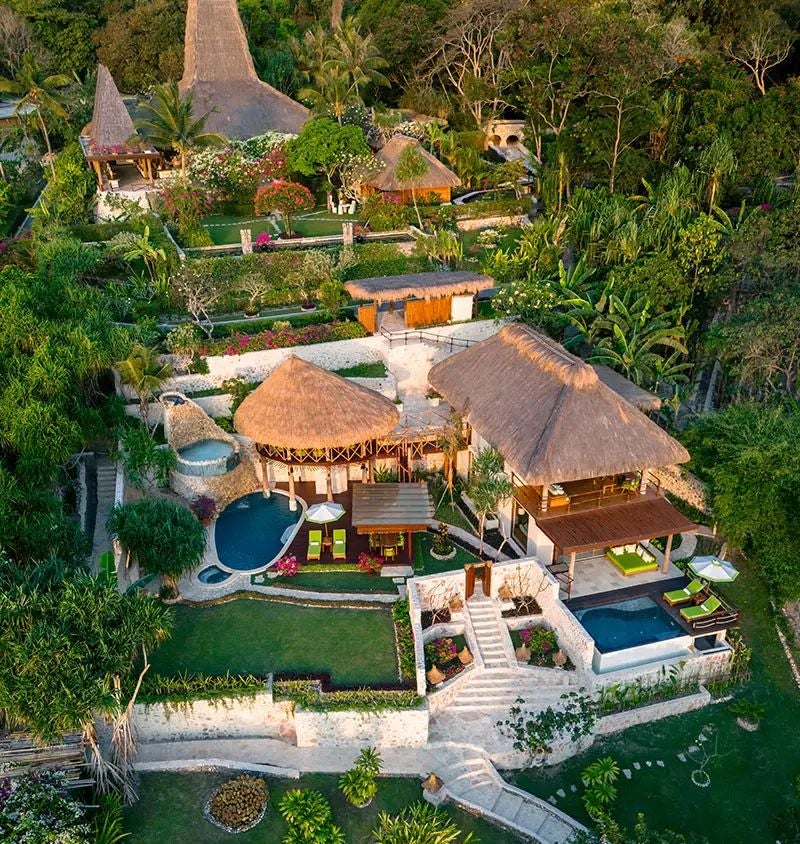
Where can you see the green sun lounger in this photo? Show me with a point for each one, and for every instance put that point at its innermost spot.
(707, 608)
(314, 544)
(340, 545)
(681, 596)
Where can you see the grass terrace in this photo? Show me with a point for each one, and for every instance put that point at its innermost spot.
(171, 804)
(224, 228)
(424, 563)
(354, 646)
(334, 581)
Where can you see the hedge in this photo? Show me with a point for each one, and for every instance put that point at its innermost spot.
(239, 344)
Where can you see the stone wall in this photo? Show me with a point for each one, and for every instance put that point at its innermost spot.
(682, 484)
(384, 728)
(230, 717)
(492, 222)
(654, 712)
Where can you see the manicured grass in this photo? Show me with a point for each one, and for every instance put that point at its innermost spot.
(751, 781)
(450, 514)
(508, 239)
(376, 369)
(224, 228)
(425, 564)
(341, 581)
(170, 810)
(355, 646)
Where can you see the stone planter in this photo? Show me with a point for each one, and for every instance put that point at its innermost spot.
(443, 556)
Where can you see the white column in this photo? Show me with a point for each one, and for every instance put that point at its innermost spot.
(292, 498)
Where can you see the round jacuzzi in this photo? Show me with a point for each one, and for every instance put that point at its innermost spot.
(207, 458)
(212, 575)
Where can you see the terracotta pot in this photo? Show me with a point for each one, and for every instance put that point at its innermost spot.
(523, 654)
(465, 656)
(435, 676)
(456, 604)
(559, 659)
(504, 593)
(432, 783)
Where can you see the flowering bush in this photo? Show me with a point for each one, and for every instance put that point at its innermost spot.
(532, 300)
(441, 651)
(259, 145)
(543, 644)
(285, 197)
(263, 242)
(288, 566)
(488, 238)
(38, 808)
(232, 173)
(204, 507)
(369, 563)
(282, 338)
(185, 205)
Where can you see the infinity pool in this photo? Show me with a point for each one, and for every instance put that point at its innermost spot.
(251, 531)
(628, 624)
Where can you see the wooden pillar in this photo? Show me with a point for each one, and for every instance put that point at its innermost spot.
(265, 477)
(572, 566)
(643, 481)
(372, 470)
(329, 482)
(292, 497)
(98, 174)
(667, 552)
(408, 544)
(545, 495)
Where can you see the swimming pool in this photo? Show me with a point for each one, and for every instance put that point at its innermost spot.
(628, 624)
(207, 458)
(251, 531)
(212, 575)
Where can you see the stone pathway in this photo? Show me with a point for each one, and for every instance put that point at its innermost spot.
(484, 616)
(106, 489)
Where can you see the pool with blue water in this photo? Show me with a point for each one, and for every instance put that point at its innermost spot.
(251, 531)
(628, 624)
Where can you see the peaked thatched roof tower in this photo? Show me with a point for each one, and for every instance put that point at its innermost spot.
(218, 70)
(111, 126)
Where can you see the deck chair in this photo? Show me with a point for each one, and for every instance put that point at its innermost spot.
(681, 596)
(706, 609)
(401, 540)
(340, 545)
(390, 552)
(314, 544)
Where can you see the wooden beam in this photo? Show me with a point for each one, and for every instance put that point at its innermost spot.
(292, 496)
(329, 483)
(667, 552)
(572, 566)
(265, 477)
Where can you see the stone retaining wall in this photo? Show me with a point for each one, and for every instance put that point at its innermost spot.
(654, 712)
(492, 222)
(384, 728)
(682, 484)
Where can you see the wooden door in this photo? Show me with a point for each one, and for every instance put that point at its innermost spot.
(368, 317)
(487, 579)
(422, 312)
(469, 589)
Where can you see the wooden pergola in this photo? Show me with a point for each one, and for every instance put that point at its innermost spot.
(392, 508)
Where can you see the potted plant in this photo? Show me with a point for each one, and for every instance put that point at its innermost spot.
(205, 508)
(433, 397)
(359, 785)
(308, 305)
(441, 547)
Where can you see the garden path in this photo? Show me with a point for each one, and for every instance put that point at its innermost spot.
(106, 491)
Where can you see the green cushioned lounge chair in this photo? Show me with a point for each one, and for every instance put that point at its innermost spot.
(314, 544)
(340, 545)
(707, 608)
(681, 596)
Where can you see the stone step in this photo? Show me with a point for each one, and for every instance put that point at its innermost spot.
(507, 804)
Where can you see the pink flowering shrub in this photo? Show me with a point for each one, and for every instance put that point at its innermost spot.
(262, 242)
(441, 651)
(283, 338)
(288, 566)
(285, 197)
(369, 563)
(543, 644)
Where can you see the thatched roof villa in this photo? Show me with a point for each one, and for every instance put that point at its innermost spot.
(218, 69)
(437, 182)
(579, 453)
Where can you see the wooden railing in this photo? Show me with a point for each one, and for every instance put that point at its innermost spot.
(430, 336)
(726, 616)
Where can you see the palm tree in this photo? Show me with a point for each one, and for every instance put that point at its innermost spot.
(38, 90)
(451, 440)
(411, 167)
(170, 123)
(717, 162)
(140, 247)
(358, 57)
(330, 91)
(489, 487)
(144, 373)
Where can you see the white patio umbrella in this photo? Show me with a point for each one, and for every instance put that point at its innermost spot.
(714, 570)
(324, 513)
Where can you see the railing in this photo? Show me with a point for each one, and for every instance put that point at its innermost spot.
(430, 336)
(592, 499)
(727, 615)
(560, 572)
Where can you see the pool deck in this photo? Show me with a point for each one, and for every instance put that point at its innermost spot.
(654, 590)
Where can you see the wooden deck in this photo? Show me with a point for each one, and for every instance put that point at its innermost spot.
(356, 543)
(655, 591)
(580, 496)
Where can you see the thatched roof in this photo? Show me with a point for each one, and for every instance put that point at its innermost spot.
(631, 392)
(111, 127)
(218, 69)
(300, 405)
(417, 285)
(437, 175)
(548, 412)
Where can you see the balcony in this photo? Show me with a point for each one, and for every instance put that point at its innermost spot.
(579, 496)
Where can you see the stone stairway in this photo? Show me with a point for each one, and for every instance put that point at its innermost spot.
(106, 488)
(501, 688)
(490, 634)
(471, 781)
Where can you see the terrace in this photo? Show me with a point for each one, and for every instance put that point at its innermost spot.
(578, 496)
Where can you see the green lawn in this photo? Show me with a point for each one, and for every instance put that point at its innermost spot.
(375, 369)
(751, 781)
(355, 646)
(342, 581)
(170, 810)
(425, 564)
(508, 239)
(224, 228)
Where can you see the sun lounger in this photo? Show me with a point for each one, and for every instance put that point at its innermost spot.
(706, 609)
(681, 596)
(340, 545)
(314, 544)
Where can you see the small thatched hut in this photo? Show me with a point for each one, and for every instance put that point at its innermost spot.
(548, 412)
(430, 298)
(303, 415)
(218, 69)
(437, 182)
(109, 140)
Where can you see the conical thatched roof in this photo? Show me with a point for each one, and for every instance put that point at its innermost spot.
(218, 70)
(547, 412)
(437, 175)
(300, 405)
(111, 127)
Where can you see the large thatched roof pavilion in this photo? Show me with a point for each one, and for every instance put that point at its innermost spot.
(437, 181)
(218, 69)
(110, 139)
(303, 415)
